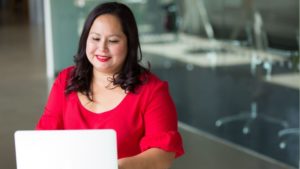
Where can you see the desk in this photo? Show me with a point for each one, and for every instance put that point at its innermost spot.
(291, 80)
(178, 46)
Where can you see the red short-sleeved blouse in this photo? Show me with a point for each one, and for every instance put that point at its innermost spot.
(142, 120)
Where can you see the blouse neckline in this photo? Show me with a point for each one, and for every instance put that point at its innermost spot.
(123, 101)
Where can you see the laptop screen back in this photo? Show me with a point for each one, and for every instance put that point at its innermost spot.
(66, 149)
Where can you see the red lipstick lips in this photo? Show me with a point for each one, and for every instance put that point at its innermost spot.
(103, 58)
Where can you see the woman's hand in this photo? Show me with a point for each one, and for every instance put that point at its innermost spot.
(153, 158)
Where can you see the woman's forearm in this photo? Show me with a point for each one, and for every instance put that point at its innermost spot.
(153, 158)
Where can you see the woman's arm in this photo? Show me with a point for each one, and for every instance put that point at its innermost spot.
(52, 115)
(153, 158)
(161, 142)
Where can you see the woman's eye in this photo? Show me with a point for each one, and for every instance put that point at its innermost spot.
(96, 39)
(113, 41)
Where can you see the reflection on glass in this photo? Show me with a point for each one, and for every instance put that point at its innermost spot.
(225, 60)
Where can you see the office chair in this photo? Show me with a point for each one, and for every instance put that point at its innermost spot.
(260, 44)
(287, 132)
(282, 134)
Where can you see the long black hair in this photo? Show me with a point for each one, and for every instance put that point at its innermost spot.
(129, 77)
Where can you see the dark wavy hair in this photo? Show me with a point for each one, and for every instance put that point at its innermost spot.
(129, 77)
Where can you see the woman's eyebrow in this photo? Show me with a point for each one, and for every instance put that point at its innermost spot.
(95, 33)
(117, 35)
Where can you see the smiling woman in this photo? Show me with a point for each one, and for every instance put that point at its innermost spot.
(106, 46)
(107, 88)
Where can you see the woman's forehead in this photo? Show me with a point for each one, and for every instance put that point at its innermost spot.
(106, 23)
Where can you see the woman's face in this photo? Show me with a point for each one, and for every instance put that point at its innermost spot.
(106, 46)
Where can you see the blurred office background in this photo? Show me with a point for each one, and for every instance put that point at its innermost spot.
(232, 67)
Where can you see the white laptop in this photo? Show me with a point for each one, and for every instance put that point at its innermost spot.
(66, 149)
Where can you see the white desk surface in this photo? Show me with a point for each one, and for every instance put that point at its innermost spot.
(291, 80)
(177, 48)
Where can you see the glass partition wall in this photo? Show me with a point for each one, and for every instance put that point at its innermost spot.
(232, 65)
(233, 68)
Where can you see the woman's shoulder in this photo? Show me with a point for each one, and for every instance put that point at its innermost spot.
(64, 75)
(151, 81)
(151, 78)
(66, 71)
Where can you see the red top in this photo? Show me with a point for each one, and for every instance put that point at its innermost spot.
(142, 120)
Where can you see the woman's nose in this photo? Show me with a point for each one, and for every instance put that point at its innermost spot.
(103, 46)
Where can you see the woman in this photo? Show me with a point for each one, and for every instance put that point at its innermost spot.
(108, 89)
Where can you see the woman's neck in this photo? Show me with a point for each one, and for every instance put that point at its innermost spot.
(102, 81)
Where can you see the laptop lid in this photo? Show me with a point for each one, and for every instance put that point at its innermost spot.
(66, 149)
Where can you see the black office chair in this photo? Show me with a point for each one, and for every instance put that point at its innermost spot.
(249, 117)
(260, 44)
(287, 132)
